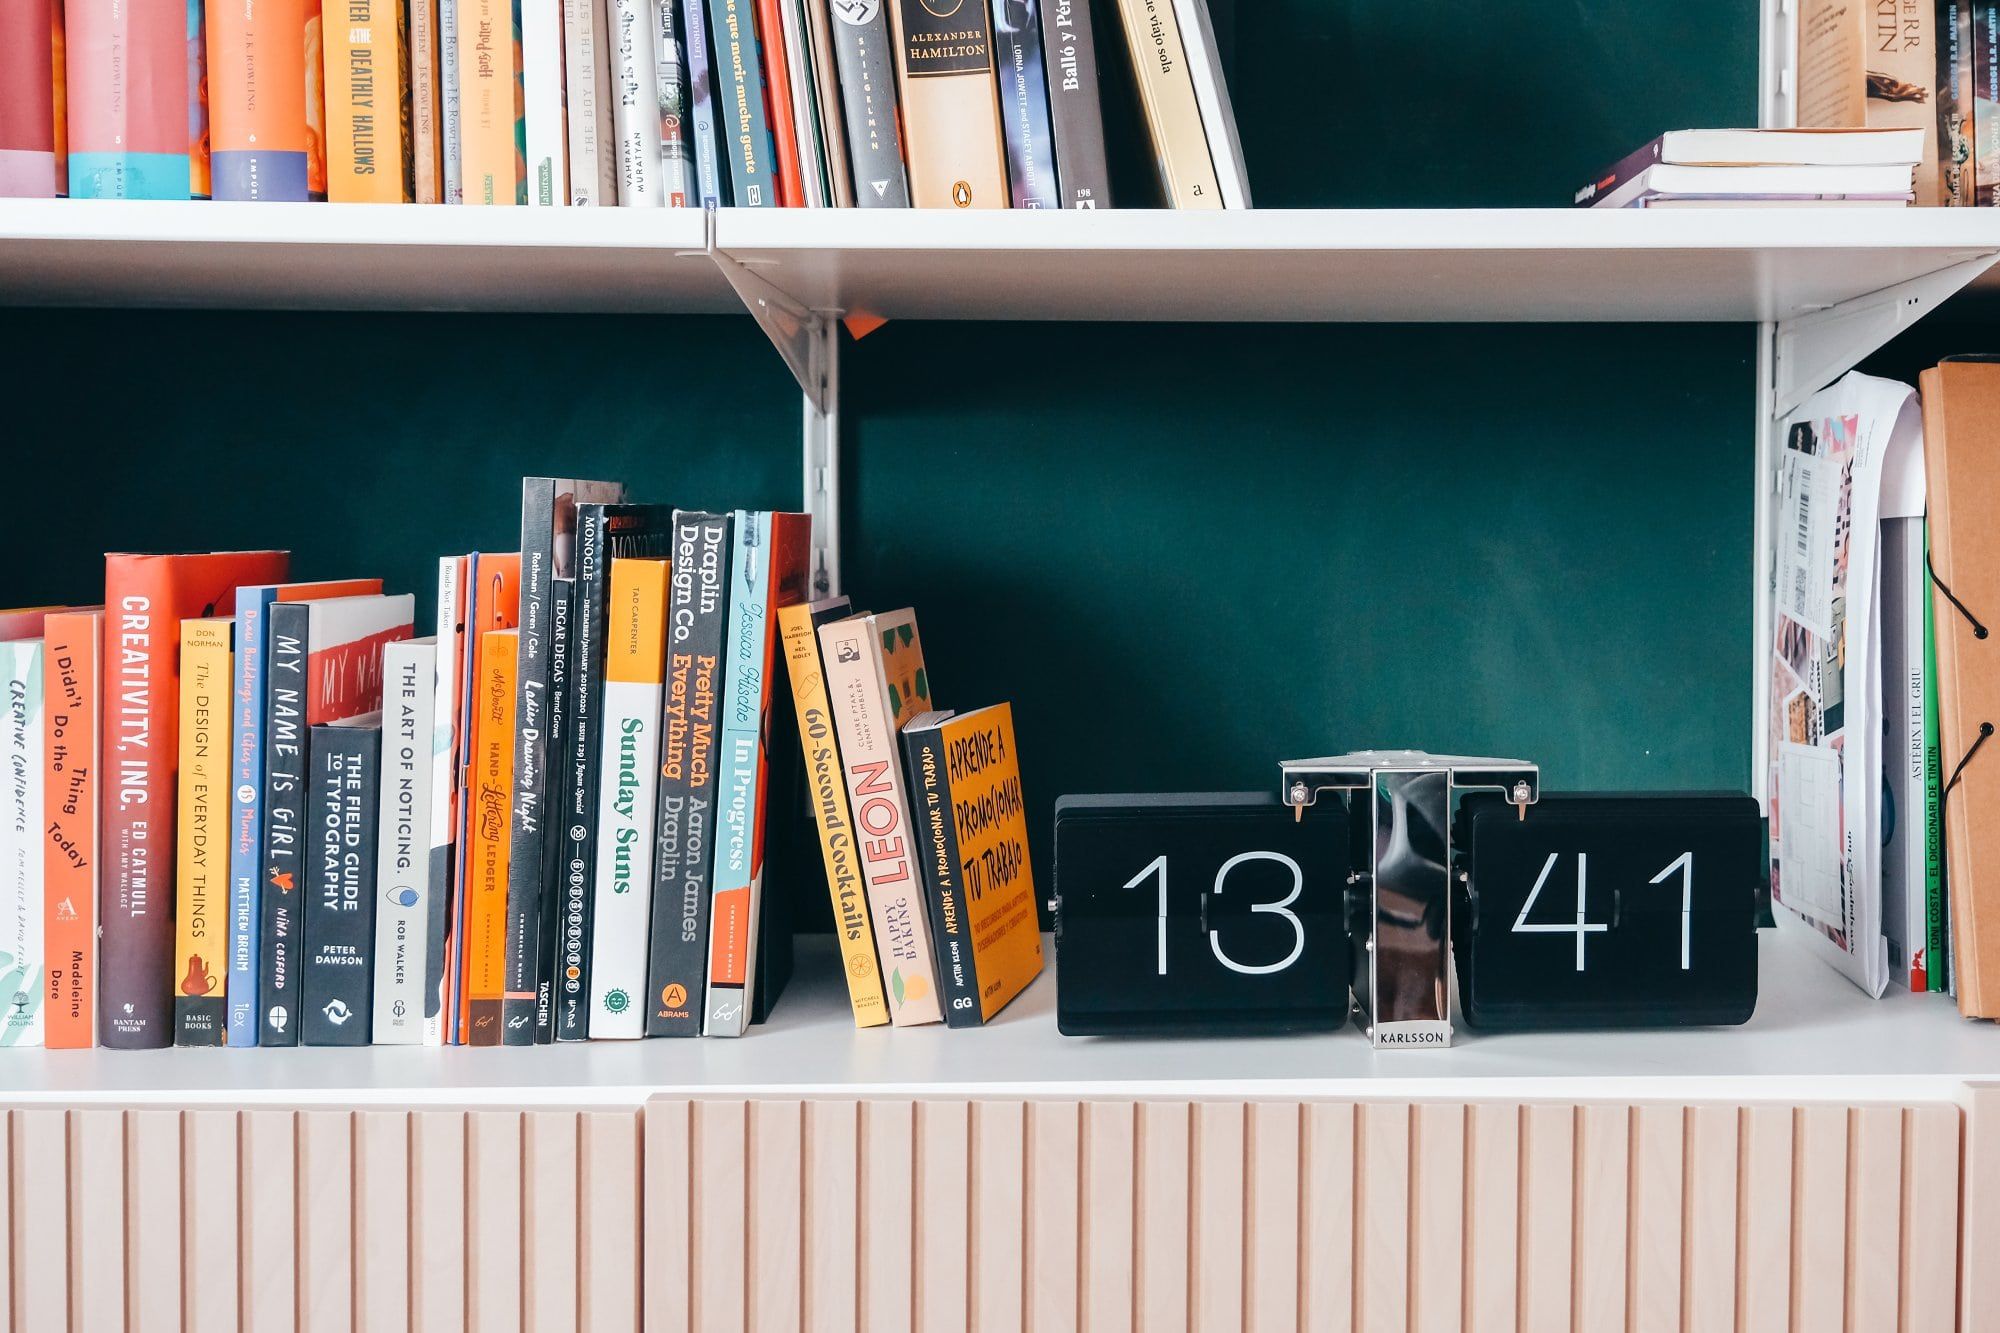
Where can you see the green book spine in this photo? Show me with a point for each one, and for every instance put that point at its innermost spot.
(1937, 944)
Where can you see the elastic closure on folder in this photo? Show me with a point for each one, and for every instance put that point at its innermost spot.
(1978, 630)
(1985, 730)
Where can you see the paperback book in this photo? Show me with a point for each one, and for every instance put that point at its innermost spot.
(343, 783)
(72, 678)
(405, 902)
(202, 864)
(21, 822)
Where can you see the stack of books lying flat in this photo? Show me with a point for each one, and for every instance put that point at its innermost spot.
(1761, 169)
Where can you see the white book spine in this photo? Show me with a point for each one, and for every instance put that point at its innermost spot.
(542, 93)
(1211, 95)
(404, 900)
(635, 110)
(448, 118)
(444, 771)
(21, 864)
(628, 781)
(586, 76)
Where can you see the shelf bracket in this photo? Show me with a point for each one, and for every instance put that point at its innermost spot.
(1813, 350)
(822, 456)
(792, 328)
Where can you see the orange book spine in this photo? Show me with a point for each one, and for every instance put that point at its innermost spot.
(491, 789)
(72, 677)
(778, 112)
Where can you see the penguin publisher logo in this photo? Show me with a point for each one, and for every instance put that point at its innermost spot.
(961, 194)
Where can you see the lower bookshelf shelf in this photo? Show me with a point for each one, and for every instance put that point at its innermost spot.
(1814, 1036)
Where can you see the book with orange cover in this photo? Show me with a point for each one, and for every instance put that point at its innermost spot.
(368, 159)
(261, 134)
(145, 598)
(778, 84)
(492, 158)
(951, 106)
(71, 681)
(201, 891)
(490, 796)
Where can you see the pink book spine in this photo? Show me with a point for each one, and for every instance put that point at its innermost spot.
(128, 99)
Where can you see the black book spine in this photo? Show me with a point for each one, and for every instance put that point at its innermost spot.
(937, 850)
(1024, 104)
(526, 853)
(1076, 109)
(562, 702)
(862, 52)
(697, 619)
(344, 784)
(603, 533)
(287, 624)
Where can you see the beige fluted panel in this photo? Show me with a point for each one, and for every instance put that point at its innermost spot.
(1603, 1214)
(771, 1219)
(1326, 1217)
(1105, 1213)
(1708, 1277)
(718, 1173)
(1492, 1211)
(12, 1301)
(267, 1214)
(1437, 1217)
(1215, 1218)
(97, 1220)
(326, 1221)
(1163, 1138)
(382, 1212)
(1874, 1218)
(1930, 1208)
(669, 1203)
(1979, 1283)
(995, 1211)
(937, 1215)
(888, 1134)
(437, 1222)
(829, 1185)
(1271, 1283)
(152, 1221)
(36, 1169)
(548, 1222)
(1819, 1219)
(1764, 1261)
(493, 1222)
(1548, 1176)
(609, 1172)
(1052, 1247)
(210, 1196)
(1653, 1296)
(1382, 1218)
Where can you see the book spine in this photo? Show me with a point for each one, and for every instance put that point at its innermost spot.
(677, 962)
(201, 1011)
(441, 880)
(635, 117)
(534, 731)
(828, 118)
(775, 54)
(576, 778)
(344, 781)
(288, 625)
(1076, 109)
(450, 107)
(745, 130)
(488, 154)
(542, 79)
(246, 816)
(27, 100)
(1211, 98)
(1937, 945)
(367, 100)
(1166, 94)
(806, 123)
(1024, 101)
(1954, 102)
(128, 98)
(196, 51)
(426, 138)
(872, 769)
(312, 29)
(627, 784)
(540, 938)
(490, 796)
(710, 174)
(679, 187)
(135, 912)
(593, 177)
(828, 792)
(21, 878)
(1985, 102)
(936, 839)
(951, 112)
(406, 901)
(868, 97)
(72, 679)
(739, 782)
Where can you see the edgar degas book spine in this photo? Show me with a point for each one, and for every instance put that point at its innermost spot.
(72, 675)
(406, 902)
(1076, 110)
(344, 782)
(698, 613)
(868, 97)
(950, 106)
(201, 871)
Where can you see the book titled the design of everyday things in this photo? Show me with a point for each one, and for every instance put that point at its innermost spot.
(201, 921)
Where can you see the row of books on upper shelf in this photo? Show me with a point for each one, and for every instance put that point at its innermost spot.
(646, 103)
(251, 812)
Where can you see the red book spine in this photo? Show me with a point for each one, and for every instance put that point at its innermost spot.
(71, 683)
(145, 599)
(28, 165)
(778, 111)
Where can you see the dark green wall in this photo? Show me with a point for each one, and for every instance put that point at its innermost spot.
(1183, 551)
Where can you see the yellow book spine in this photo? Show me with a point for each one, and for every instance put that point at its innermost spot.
(486, 51)
(1166, 94)
(828, 789)
(367, 103)
(492, 796)
(201, 882)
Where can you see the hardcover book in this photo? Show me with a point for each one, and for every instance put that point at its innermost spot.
(452, 652)
(406, 902)
(876, 682)
(767, 572)
(972, 832)
(677, 960)
(258, 82)
(489, 796)
(1180, 147)
(540, 25)
(775, 39)
(635, 111)
(1211, 95)
(490, 157)
(679, 187)
(1076, 108)
(868, 100)
(950, 108)
(1954, 103)
(21, 825)
(246, 808)
(146, 597)
(1986, 103)
(548, 589)
(593, 167)
(1024, 103)
(711, 173)
(451, 118)
(426, 115)
(1857, 69)
(368, 148)
(202, 864)
(30, 77)
(605, 534)
(344, 782)
(627, 784)
(743, 116)
(324, 661)
(828, 118)
(72, 679)
(827, 790)
(129, 101)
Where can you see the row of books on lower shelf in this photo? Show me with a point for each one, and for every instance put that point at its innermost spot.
(646, 103)
(269, 815)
